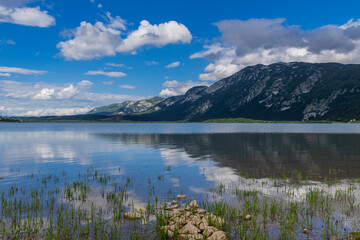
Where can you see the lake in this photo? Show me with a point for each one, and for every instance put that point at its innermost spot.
(213, 162)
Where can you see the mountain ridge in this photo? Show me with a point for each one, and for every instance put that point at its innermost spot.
(295, 91)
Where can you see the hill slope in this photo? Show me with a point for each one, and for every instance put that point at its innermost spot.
(282, 91)
(127, 107)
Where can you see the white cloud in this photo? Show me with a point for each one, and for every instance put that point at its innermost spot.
(20, 71)
(44, 94)
(173, 65)
(5, 74)
(99, 5)
(55, 112)
(109, 74)
(7, 41)
(115, 64)
(266, 41)
(150, 63)
(175, 88)
(156, 35)
(104, 39)
(127, 86)
(107, 82)
(26, 16)
(34, 99)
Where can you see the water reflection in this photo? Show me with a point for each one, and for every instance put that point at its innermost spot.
(262, 154)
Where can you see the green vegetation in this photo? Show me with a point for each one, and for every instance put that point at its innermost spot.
(93, 206)
(5, 119)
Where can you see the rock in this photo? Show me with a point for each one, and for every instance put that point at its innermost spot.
(305, 230)
(201, 211)
(209, 230)
(190, 237)
(194, 204)
(174, 213)
(248, 217)
(172, 207)
(189, 229)
(132, 216)
(180, 220)
(196, 220)
(168, 231)
(218, 235)
(173, 202)
(140, 210)
(201, 226)
(181, 197)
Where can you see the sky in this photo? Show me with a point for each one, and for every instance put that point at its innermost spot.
(62, 57)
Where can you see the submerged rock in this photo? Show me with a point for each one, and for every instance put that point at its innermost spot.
(181, 197)
(140, 210)
(193, 204)
(132, 216)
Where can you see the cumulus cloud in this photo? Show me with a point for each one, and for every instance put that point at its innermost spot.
(109, 74)
(266, 41)
(175, 88)
(26, 16)
(104, 39)
(20, 71)
(5, 74)
(127, 86)
(173, 65)
(34, 99)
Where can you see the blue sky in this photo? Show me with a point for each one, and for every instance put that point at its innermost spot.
(66, 57)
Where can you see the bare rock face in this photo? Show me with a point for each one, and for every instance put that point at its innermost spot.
(281, 91)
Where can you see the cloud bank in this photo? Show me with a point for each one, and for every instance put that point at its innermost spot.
(41, 99)
(244, 43)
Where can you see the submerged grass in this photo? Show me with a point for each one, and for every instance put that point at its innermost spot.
(92, 206)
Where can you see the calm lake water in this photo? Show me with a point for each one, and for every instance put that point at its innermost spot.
(199, 155)
(191, 159)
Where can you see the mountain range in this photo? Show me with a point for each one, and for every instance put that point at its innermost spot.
(295, 91)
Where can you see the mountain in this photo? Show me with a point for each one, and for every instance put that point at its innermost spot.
(5, 119)
(127, 107)
(295, 91)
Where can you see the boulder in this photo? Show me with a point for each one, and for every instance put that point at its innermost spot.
(218, 235)
(193, 204)
(189, 229)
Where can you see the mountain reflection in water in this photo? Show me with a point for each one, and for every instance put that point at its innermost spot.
(261, 154)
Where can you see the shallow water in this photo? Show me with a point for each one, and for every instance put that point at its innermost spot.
(191, 159)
